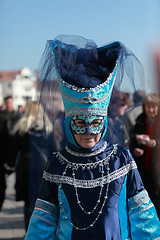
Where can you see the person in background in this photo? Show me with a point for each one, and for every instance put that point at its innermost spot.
(20, 110)
(4, 148)
(9, 113)
(145, 142)
(90, 190)
(11, 117)
(29, 155)
(117, 130)
(132, 112)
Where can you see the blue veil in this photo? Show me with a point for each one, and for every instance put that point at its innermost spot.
(78, 63)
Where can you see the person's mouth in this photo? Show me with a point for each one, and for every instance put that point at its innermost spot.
(88, 139)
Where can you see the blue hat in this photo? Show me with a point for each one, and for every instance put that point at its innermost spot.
(87, 75)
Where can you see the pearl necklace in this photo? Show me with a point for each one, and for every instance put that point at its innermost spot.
(74, 167)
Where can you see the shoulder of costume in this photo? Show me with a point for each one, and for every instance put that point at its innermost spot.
(52, 162)
(124, 154)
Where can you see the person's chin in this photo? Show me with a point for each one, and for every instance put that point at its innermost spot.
(88, 144)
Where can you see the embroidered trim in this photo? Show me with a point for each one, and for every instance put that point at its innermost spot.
(77, 154)
(122, 171)
(46, 207)
(85, 111)
(86, 89)
(90, 183)
(44, 219)
(88, 166)
(142, 210)
(138, 200)
(89, 99)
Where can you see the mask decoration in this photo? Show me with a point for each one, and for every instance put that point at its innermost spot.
(90, 124)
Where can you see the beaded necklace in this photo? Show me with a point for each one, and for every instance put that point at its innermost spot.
(88, 166)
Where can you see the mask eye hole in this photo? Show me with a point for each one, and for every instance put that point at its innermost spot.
(80, 123)
(96, 122)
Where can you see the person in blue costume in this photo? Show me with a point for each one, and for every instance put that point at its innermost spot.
(91, 189)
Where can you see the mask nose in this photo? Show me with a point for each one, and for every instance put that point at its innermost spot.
(88, 129)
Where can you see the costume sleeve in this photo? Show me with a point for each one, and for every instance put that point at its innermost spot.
(144, 222)
(44, 220)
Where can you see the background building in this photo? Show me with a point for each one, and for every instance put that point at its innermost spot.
(20, 84)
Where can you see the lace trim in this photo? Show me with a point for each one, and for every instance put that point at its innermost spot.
(86, 111)
(90, 183)
(141, 210)
(88, 99)
(77, 154)
(88, 166)
(138, 200)
(44, 219)
(46, 207)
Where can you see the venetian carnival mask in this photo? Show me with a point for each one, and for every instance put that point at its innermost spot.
(90, 124)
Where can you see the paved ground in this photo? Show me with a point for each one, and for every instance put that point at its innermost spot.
(11, 215)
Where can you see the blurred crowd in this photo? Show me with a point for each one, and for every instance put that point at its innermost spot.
(134, 123)
(23, 138)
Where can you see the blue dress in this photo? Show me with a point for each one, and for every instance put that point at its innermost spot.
(93, 194)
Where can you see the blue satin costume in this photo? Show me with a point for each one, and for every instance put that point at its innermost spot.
(128, 212)
(97, 193)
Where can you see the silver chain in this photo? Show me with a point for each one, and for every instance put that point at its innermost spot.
(74, 167)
